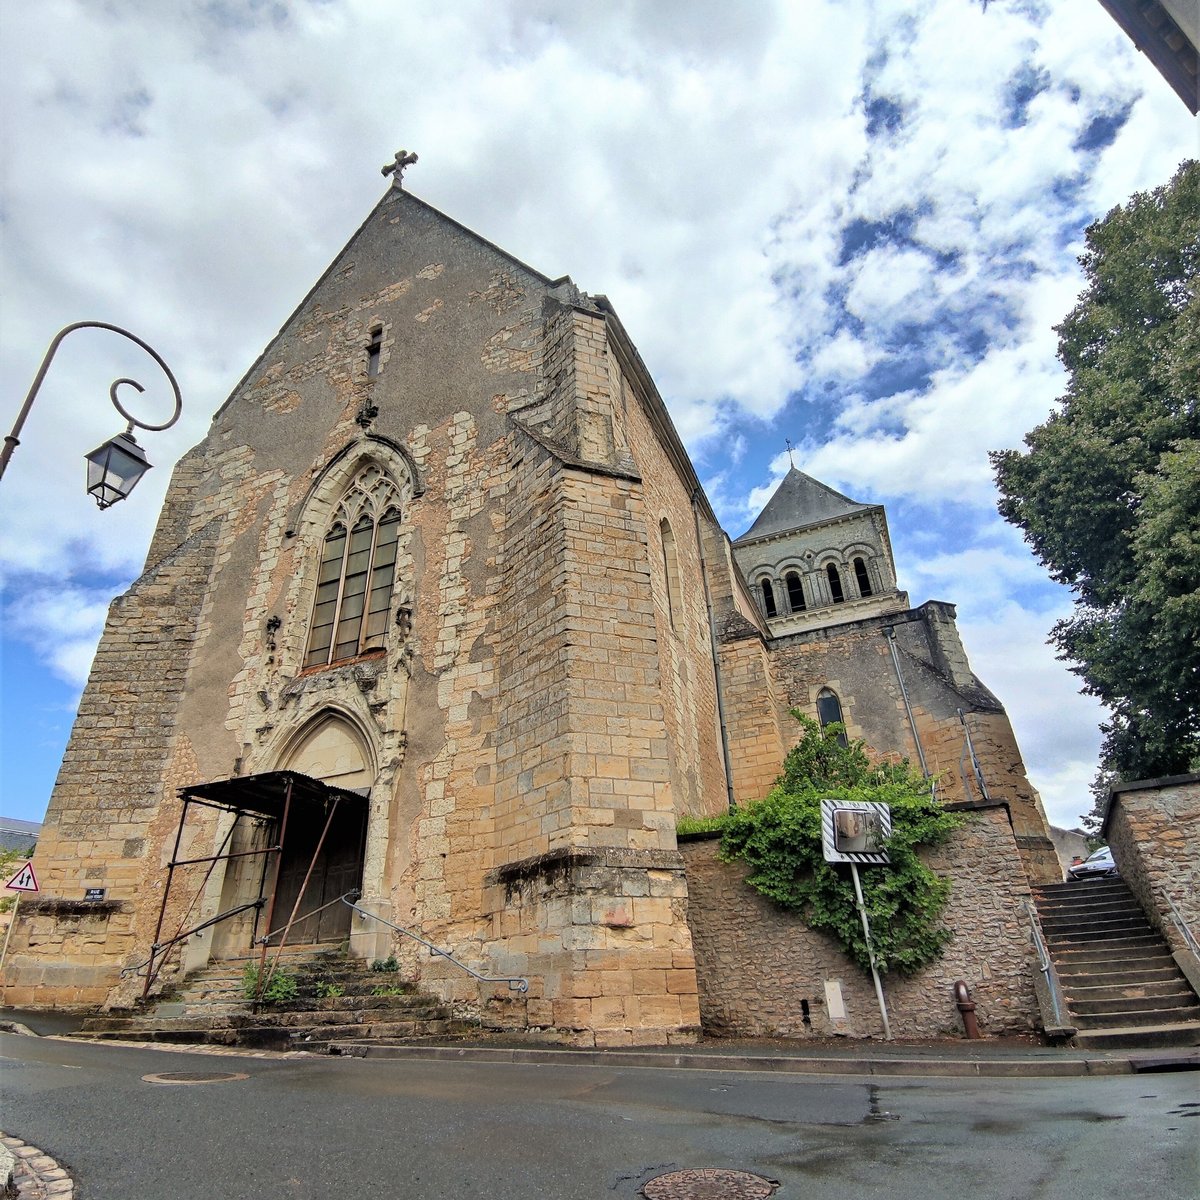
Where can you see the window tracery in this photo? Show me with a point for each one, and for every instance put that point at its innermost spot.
(357, 571)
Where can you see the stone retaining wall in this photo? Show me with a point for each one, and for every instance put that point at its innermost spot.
(763, 972)
(1153, 828)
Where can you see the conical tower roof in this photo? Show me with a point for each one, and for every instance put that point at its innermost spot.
(798, 501)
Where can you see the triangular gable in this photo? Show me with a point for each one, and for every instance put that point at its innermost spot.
(385, 204)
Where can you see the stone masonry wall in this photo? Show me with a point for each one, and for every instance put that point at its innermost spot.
(683, 641)
(101, 829)
(760, 967)
(752, 712)
(1153, 828)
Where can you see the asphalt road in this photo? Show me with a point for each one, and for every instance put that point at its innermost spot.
(303, 1128)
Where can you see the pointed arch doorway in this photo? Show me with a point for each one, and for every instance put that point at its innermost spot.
(323, 848)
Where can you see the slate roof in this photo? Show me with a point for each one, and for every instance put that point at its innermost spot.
(798, 501)
(16, 834)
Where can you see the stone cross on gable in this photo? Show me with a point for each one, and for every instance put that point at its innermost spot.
(403, 159)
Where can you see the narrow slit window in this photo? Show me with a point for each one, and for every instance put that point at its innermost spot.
(374, 351)
(795, 591)
(671, 567)
(835, 584)
(768, 595)
(862, 578)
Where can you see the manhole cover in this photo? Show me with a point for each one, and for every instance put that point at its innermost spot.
(194, 1077)
(709, 1183)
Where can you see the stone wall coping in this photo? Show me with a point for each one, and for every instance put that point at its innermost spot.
(572, 460)
(562, 861)
(1142, 785)
(956, 806)
(974, 805)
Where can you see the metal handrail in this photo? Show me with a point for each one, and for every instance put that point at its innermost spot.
(516, 983)
(265, 938)
(1182, 926)
(136, 968)
(1046, 965)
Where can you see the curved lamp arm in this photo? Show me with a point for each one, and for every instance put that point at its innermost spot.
(13, 439)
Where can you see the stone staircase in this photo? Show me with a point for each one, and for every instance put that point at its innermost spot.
(338, 1002)
(1121, 985)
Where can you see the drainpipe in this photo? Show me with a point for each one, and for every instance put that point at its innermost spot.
(712, 644)
(890, 631)
(976, 766)
(966, 1006)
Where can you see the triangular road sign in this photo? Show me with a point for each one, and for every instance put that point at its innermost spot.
(24, 880)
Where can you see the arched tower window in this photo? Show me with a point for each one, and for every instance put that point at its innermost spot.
(671, 567)
(768, 595)
(861, 577)
(357, 571)
(374, 351)
(795, 591)
(829, 711)
(835, 584)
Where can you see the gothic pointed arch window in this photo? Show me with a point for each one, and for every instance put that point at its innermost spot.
(829, 711)
(357, 571)
(795, 591)
(862, 577)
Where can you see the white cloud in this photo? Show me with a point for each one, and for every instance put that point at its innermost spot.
(187, 173)
(64, 624)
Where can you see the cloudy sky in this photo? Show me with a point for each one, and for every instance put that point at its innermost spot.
(850, 223)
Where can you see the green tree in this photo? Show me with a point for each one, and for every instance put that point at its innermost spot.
(1108, 490)
(780, 837)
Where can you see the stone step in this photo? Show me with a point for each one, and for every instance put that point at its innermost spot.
(1156, 958)
(1118, 1037)
(1092, 991)
(1074, 980)
(1089, 912)
(1121, 984)
(1134, 1017)
(1092, 902)
(1113, 884)
(1089, 893)
(364, 1047)
(1179, 1000)
(1094, 929)
(1115, 946)
(138, 1024)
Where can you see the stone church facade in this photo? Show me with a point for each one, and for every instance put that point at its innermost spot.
(443, 551)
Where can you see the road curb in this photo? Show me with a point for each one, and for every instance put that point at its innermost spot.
(777, 1064)
(31, 1175)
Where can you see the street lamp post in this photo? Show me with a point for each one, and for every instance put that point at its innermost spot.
(115, 467)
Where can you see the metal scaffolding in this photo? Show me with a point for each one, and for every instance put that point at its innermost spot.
(273, 796)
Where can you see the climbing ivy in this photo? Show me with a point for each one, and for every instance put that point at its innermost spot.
(780, 837)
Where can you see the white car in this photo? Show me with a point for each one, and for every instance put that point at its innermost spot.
(1098, 865)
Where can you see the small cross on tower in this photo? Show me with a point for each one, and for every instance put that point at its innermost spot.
(791, 461)
(396, 169)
